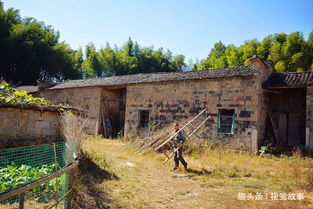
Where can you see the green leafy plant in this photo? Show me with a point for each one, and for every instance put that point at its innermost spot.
(13, 176)
(13, 96)
(263, 150)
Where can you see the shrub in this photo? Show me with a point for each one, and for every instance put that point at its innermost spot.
(13, 96)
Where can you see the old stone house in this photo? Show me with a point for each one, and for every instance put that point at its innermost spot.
(248, 104)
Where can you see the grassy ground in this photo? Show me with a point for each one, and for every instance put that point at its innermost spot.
(113, 176)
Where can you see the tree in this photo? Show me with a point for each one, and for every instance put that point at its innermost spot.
(290, 53)
(233, 56)
(129, 59)
(249, 49)
(216, 58)
(178, 63)
(91, 65)
(264, 47)
(31, 51)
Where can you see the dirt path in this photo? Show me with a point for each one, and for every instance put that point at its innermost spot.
(143, 182)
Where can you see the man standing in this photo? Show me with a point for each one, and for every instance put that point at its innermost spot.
(178, 143)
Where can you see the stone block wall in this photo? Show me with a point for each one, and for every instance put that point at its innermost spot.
(171, 101)
(309, 118)
(24, 127)
(87, 98)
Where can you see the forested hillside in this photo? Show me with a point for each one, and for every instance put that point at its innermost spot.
(290, 52)
(31, 50)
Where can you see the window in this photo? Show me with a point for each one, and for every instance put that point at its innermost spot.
(226, 121)
(143, 118)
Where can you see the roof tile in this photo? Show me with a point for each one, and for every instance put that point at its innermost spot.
(293, 79)
(158, 77)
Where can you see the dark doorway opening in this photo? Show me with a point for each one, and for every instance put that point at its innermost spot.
(286, 116)
(112, 112)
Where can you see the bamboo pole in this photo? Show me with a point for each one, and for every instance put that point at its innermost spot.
(180, 130)
(14, 192)
(147, 145)
(152, 142)
(196, 129)
(175, 150)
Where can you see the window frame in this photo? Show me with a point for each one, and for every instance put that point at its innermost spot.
(146, 121)
(219, 119)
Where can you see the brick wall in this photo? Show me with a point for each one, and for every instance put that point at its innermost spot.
(309, 118)
(171, 101)
(87, 98)
(263, 72)
(24, 127)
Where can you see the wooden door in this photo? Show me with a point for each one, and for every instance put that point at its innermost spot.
(294, 123)
(282, 128)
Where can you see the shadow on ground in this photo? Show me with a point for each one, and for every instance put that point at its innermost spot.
(87, 193)
(199, 172)
(189, 173)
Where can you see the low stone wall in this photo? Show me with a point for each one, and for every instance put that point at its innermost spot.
(28, 126)
(87, 98)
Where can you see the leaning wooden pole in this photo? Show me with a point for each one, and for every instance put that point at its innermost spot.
(190, 135)
(179, 130)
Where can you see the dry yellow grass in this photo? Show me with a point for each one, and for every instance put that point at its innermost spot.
(122, 179)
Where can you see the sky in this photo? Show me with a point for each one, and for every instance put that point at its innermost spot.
(188, 27)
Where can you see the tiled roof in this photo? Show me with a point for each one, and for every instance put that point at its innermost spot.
(158, 77)
(294, 79)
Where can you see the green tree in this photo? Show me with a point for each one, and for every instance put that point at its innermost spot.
(91, 65)
(264, 47)
(233, 56)
(290, 53)
(248, 49)
(30, 51)
(216, 58)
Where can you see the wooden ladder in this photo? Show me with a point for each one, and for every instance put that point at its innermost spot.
(168, 157)
(107, 126)
(171, 137)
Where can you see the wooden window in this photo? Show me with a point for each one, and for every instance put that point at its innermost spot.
(143, 118)
(226, 121)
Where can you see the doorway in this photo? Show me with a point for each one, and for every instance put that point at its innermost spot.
(286, 121)
(112, 112)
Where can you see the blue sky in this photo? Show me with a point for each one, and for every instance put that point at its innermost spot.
(185, 27)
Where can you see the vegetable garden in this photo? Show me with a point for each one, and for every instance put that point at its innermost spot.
(22, 166)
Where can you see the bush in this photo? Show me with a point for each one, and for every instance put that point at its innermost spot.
(13, 96)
